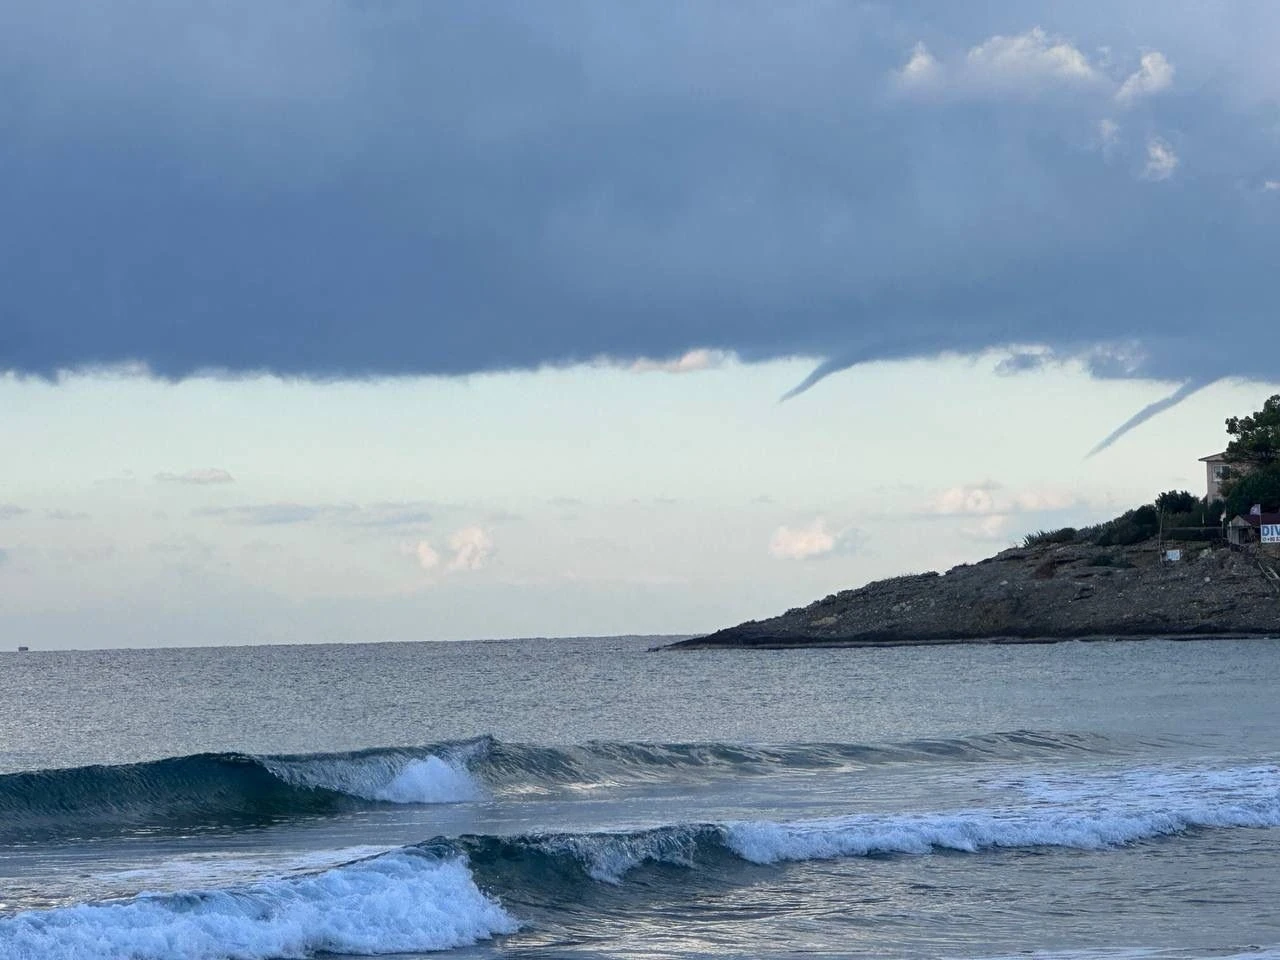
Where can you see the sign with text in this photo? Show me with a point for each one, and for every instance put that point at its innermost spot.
(1271, 533)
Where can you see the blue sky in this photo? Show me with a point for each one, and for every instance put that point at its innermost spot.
(428, 322)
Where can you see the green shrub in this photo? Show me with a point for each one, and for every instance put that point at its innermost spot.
(1133, 526)
(1041, 537)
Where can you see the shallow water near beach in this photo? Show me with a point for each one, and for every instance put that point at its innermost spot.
(589, 799)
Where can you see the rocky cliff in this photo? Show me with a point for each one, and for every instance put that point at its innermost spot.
(1038, 594)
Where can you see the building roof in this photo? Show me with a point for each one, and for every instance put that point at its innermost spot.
(1256, 520)
(1214, 457)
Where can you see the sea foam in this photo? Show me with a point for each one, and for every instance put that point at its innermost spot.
(1078, 812)
(387, 778)
(1087, 813)
(397, 903)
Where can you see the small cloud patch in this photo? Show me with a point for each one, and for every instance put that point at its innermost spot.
(1161, 160)
(991, 500)
(472, 547)
(922, 70)
(1034, 55)
(1154, 75)
(469, 549)
(1020, 65)
(691, 361)
(810, 541)
(980, 499)
(426, 555)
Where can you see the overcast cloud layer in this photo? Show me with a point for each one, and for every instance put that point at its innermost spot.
(349, 189)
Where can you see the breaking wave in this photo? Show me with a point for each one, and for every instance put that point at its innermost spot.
(446, 893)
(212, 790)
(400, 902)
(220, 790)
(1082, 813)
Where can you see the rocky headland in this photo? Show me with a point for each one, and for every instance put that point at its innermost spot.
(1038, 594)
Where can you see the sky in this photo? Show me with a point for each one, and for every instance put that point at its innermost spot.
(446, 321)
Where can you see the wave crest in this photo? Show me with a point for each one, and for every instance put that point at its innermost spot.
(400, 902)
(432, 896)
(218, 790)
(213, 791)
(381, 776)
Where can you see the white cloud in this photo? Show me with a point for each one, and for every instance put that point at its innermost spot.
(1271, 185)
(1028, 64)
(975, 499)
(1154, 74)
(426, 555)
(1032, 57)
(694, 360)
(814, 540)
(472, 547)
(922, 70)
(1021, 65)
(206, 475)
(1161, 160)
(8, 510)
(991, 500)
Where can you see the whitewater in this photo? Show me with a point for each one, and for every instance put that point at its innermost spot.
(590, 799)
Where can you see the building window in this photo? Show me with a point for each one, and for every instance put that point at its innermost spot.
(1219, 472)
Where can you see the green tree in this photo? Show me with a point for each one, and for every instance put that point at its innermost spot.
(1256, 439)
(1254, 453)
(1260, 485)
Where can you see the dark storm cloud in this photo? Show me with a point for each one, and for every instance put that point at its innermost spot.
(382, 189)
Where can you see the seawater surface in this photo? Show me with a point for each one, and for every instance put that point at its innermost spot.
(587, 798)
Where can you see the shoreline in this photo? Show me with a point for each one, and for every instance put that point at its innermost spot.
(852, 643)
(1045, 593)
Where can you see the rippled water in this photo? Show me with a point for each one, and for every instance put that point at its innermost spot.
(591, 799)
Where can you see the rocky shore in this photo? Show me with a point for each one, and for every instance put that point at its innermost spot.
(1039, 594)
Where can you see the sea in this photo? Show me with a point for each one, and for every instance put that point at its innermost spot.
(592, 799)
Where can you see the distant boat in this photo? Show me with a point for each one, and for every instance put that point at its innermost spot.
(23, 649)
